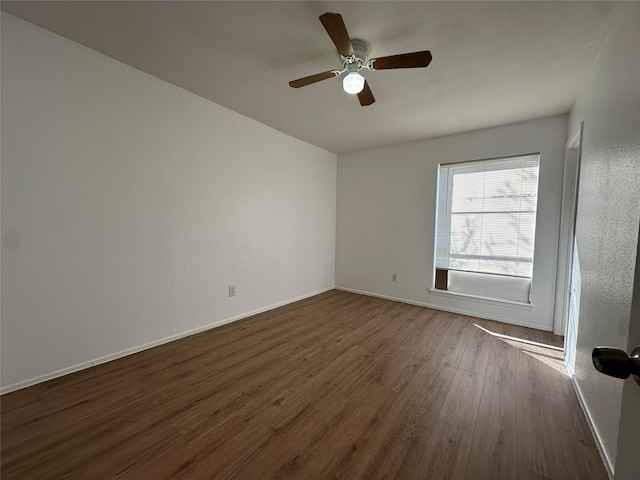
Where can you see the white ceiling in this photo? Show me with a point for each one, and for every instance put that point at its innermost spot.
(493, 62)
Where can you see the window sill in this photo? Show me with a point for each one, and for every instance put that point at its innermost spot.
(479, 298)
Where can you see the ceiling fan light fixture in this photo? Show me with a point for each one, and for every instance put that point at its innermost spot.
(353, 83)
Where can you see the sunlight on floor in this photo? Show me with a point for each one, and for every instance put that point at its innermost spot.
(550, 355)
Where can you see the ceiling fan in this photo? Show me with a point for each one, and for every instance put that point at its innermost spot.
(354, 58)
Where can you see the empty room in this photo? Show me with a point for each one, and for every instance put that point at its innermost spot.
(320, 240)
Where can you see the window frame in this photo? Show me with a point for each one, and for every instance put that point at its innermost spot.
(440, 275)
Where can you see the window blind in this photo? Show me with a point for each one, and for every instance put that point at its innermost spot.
(486, 216)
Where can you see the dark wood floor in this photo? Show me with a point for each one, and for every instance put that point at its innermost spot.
(336, 386)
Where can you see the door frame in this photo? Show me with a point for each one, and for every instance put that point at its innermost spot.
(568, 212)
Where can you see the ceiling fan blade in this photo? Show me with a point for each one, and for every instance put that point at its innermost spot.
(334, 26)
(404, 60)
(365, 96)
(302, 82)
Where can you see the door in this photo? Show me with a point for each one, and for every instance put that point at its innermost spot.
(627, 460)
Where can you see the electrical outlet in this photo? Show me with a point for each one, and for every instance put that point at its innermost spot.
(232, 290)
(394, 277)
(320, 279)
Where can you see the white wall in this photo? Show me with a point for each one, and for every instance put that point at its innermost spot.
(607, 225)
(386, 209)
(129, 206)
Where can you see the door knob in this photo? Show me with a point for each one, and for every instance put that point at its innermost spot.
(616, 363)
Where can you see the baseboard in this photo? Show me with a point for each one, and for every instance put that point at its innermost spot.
(386, 297)
(155, 343)
(444, 309)
(608, 464)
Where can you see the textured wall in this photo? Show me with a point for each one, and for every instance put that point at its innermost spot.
(129, 206)
(608, 218)
(386, 216)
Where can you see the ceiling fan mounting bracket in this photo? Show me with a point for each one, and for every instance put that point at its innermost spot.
(358, 59)
(360, 48)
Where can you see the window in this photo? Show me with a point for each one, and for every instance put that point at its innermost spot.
(485, 229)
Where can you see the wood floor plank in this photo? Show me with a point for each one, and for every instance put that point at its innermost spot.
(579, 457)
(539, 448)
(398, 451)
(450, 442)
(502, 355)
(526, 474)
(334, 386)
(494, 453)
(475, 358)
(444, 356)
(331, 432)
